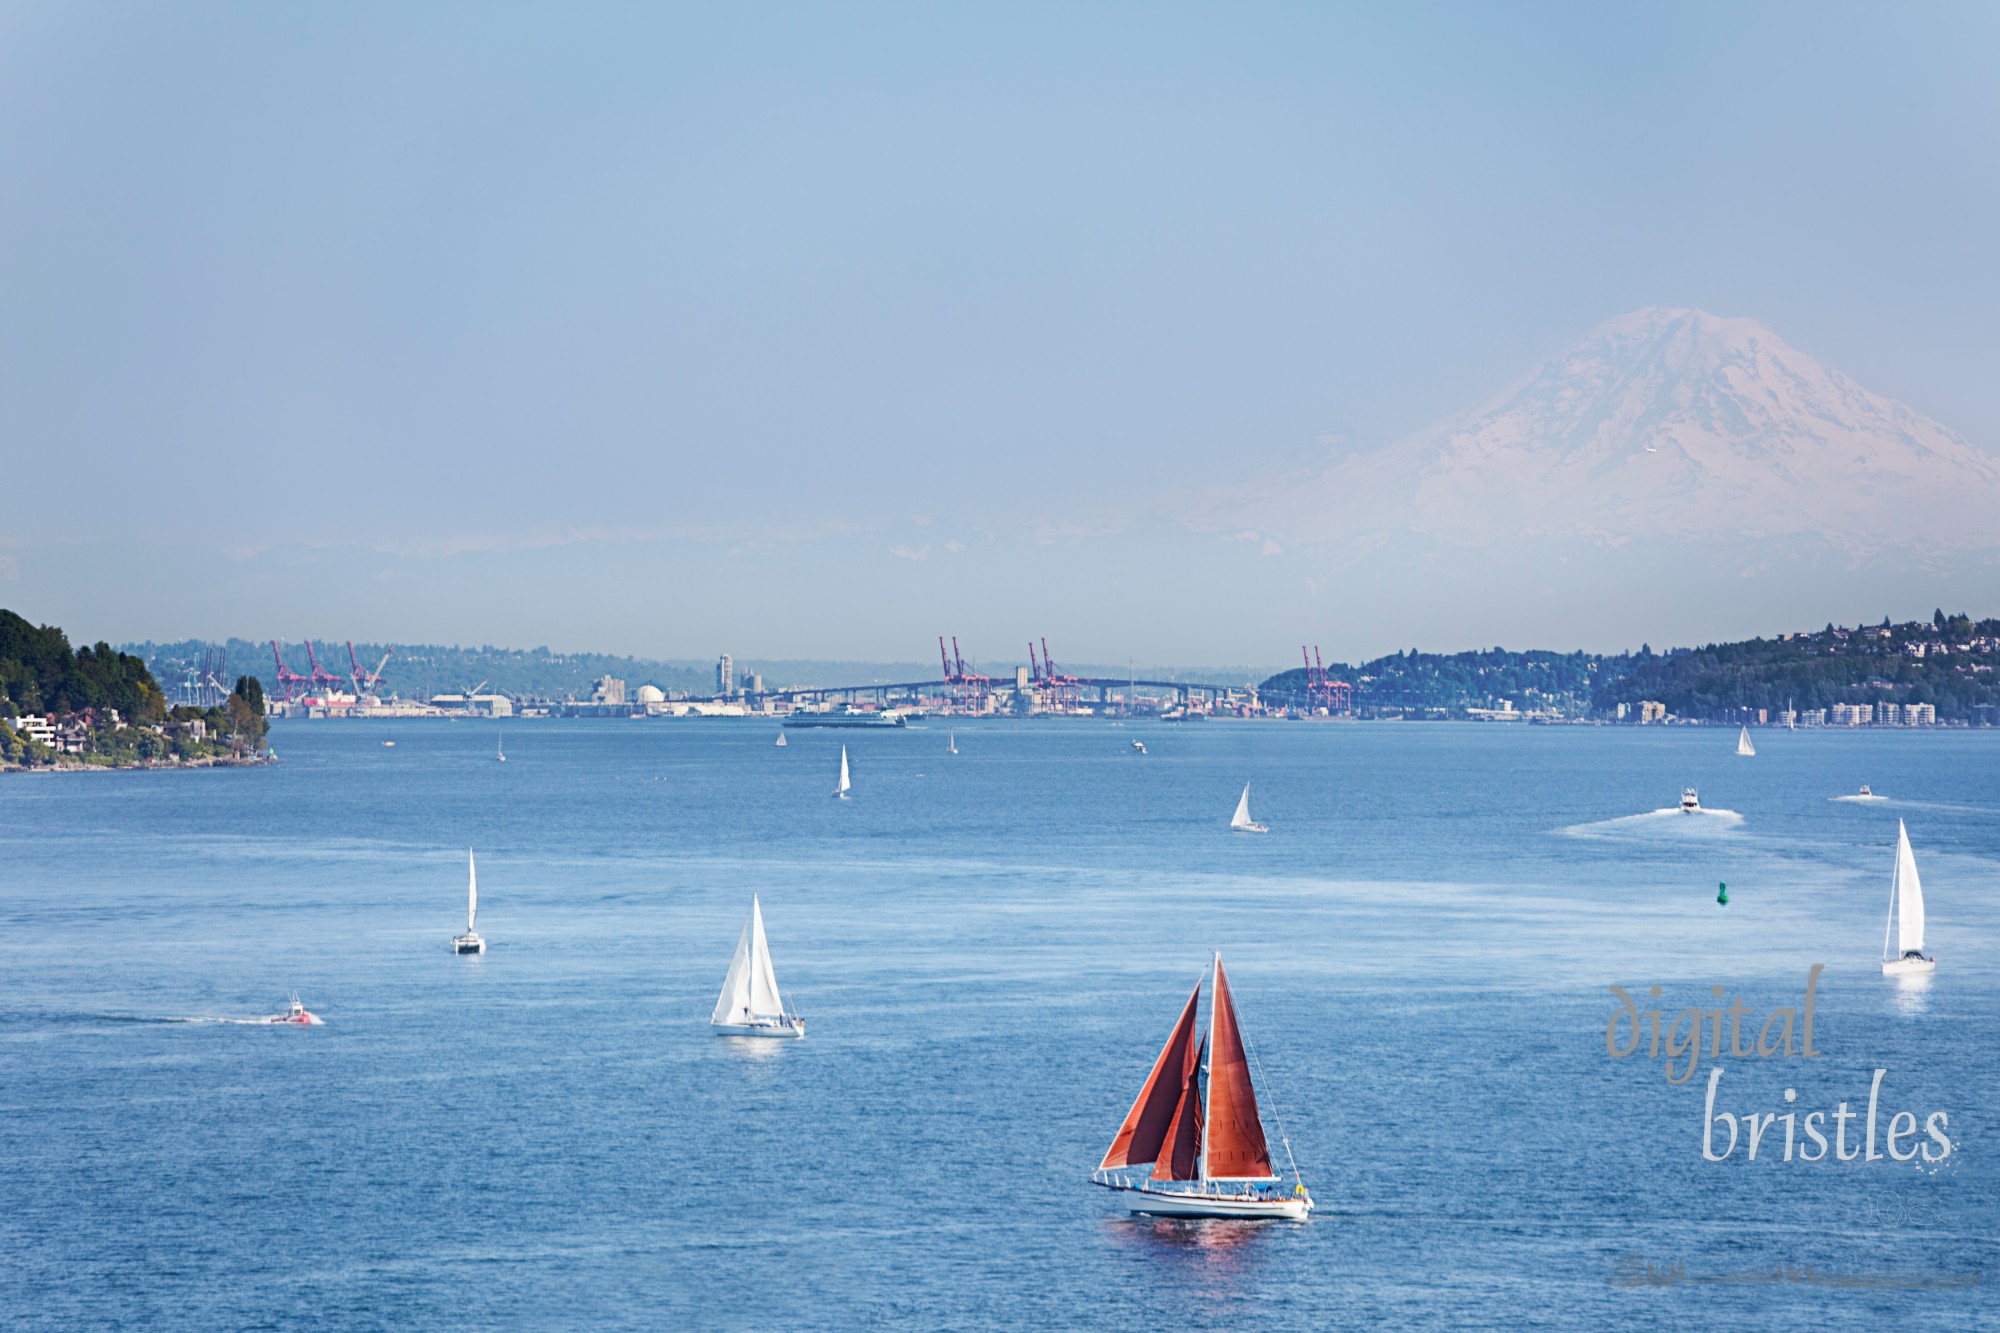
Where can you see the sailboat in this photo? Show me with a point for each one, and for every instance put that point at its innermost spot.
(841, 790)
(1906, 915)
(951, 742)
(1743, 745)
(500, 748)
(1195, 1124)
(470, 942)
(1241, 822)
(781, 740)
(750, 1005)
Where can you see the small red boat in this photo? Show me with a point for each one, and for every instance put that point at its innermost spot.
(296, 1013)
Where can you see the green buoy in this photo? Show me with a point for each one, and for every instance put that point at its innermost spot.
(1722, 894)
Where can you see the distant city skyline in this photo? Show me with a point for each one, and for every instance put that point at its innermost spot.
(800, 334)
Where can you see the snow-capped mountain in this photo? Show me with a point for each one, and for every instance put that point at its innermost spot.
(1663, 424)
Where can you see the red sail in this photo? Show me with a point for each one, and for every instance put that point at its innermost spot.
(1236, 1148)
(1147, 1123)
(1180, 1155)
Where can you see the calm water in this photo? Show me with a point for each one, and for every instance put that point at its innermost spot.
(990, 950)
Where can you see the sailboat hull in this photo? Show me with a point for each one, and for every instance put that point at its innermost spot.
(1249, 828)
(795, 1027)
(468, 943)
(1908, 967)
(1176, 1203)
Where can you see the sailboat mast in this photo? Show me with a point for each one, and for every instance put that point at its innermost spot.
(1895, 882)
(1207, 1071)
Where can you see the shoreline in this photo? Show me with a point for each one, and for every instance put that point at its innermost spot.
(160, 765)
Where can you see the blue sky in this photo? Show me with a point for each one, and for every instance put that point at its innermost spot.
(671, 330)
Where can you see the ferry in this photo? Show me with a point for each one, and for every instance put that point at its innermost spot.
(851, 717)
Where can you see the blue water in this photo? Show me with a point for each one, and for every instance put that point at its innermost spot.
(989, 950)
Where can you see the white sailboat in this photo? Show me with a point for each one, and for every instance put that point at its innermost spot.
(1906, 915)
(470, 942)
(841, 790)
(951, 742)
(1743, 745)
(750, 1005)
(781, 740)
(500, 748)
(1241, 821)
(1196, 1125)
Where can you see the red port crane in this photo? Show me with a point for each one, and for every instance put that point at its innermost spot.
(968, 688)
(290, 683)
(1335, 696)
(1062, 689)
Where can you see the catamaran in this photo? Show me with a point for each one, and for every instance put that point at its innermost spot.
(1196, 1125)
(1906, 915)
(1241, 821)
(750, 1005)
(841, 790)
(470, 942)
(1743, 745)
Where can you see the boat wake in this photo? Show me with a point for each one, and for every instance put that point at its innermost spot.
(1861, 800)
(1668, 821)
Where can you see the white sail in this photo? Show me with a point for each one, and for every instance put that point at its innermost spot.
(1906, 900)
(471, 892)
(781, 740)
(841, 790)
(1743, 745)
(750, 990)
(1242, 819)
(951, 742)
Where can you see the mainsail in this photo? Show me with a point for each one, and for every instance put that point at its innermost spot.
(750, 990)
(1234, 1148)
(1907, 895)
(841, 790)
(1242, 819)
(1743, 745)
(1153, 1115)
(472, 892)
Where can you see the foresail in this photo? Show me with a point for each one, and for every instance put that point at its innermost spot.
(1909, 896)
(1180, 1156)
(1152, 1115)
(735, 999)
(1236, 1149)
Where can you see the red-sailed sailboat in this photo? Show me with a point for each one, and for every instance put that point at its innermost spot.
(1196, 1125)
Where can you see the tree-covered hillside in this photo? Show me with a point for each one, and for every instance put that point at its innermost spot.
(1480, 679)
(40, 674)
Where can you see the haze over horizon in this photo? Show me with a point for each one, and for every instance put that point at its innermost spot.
(797, 334)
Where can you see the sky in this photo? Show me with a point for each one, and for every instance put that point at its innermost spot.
(817, 331)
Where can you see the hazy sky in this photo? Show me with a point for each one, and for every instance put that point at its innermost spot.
(662, 330)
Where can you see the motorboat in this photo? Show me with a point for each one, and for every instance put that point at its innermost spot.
(1690, 803)
(1193, 1144)
(1865, 794)
(297, 1015)
(1138, 747)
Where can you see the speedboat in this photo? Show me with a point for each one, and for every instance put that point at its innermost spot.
(1139, 747)
(1865, 793)
(297, 1015)
(1690, 803)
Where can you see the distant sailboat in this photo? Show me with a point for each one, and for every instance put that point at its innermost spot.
(750, 1005)
(1906, 914)
(1196, 1125)
(500, 748)
(951, 742)
(1743, 745)
(781, 740)
(1241, 822)
(470, 942)
(841, 790)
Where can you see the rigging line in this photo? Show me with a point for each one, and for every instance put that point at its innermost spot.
(1276, 1114)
